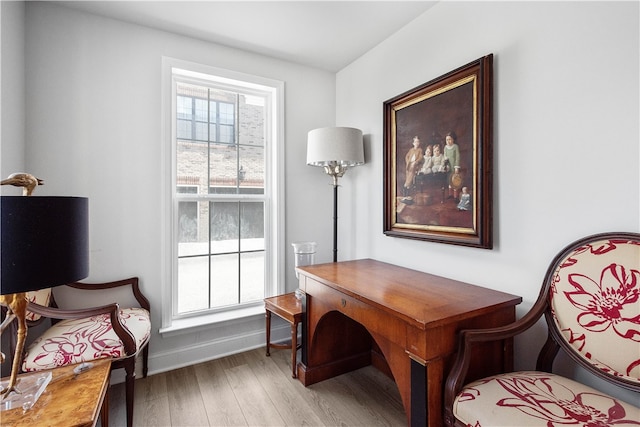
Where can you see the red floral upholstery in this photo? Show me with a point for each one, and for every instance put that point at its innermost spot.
(591, 302)
(81, 340)
(532, 398)
(595, 305)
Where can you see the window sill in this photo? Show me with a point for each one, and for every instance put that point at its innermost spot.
(193, 324)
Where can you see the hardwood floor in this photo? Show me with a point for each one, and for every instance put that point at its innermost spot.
(250, 389)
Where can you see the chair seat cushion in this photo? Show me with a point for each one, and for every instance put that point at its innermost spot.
(81, 340)
(533, 398)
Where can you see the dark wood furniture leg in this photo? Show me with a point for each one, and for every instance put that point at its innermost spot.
(104, 411)
(294, 348)
(268, 321)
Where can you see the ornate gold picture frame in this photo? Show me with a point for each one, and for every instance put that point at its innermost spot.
(438, 159)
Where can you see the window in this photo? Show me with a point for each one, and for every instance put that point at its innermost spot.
(224, 191)
(201, 118)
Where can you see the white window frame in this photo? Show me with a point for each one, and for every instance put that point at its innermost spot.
(274, 190)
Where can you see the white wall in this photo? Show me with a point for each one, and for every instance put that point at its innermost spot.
(93, 108)
(566, 135)
(12, 121)
(12, 105)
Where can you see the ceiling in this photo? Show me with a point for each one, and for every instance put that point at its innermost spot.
(324, 34)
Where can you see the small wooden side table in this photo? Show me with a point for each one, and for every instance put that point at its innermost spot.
(69, 399)
(289, 308)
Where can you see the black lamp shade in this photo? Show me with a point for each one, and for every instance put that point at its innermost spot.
(45, 242)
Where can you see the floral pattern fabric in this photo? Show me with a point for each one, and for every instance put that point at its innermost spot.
(532, 398)
(82, 340)
(594, 300)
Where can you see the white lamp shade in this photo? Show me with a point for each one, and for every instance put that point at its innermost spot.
(335, 146)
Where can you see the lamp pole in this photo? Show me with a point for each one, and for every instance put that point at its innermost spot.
(335, 221)
(335, 171)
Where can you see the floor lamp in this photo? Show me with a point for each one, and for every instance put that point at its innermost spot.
(45, 243)
(335, 149)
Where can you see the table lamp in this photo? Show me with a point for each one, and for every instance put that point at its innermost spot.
(335, 149)
(44, 244)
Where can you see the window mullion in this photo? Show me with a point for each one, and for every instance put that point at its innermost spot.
(239, 253)
(194, 126)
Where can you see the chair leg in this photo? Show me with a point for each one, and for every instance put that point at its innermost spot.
(130, 369)
(104, 411)
(145, 361)
(268, 323)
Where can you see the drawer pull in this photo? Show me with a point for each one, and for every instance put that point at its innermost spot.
(344, 302)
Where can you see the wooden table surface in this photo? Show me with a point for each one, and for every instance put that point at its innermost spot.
(420, 299)
(286, 306)
(69, 400)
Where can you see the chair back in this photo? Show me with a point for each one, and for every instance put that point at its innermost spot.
(594, 305)
(41, 297)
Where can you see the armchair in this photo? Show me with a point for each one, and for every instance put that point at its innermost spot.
(590, 298)
(83, 335)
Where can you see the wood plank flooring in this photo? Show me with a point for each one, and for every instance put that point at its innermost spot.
(250, 389)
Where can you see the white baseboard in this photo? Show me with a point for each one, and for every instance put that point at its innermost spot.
(205, 351)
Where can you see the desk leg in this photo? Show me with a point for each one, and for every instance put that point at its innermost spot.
(305, 332)
(426, 392)
(418, 394)
(268, 322)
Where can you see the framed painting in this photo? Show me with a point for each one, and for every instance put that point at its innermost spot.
(438, 159)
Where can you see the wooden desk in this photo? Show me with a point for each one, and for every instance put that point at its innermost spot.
(289, 308)
(69, 400)
(403, 321)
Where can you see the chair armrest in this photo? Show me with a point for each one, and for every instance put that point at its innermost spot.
(113, 310)
(469, 337)
(132, 282)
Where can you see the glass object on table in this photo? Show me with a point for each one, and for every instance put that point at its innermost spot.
(304, 254)
(29, 388)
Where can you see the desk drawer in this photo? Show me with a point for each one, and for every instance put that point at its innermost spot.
(374, 320)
